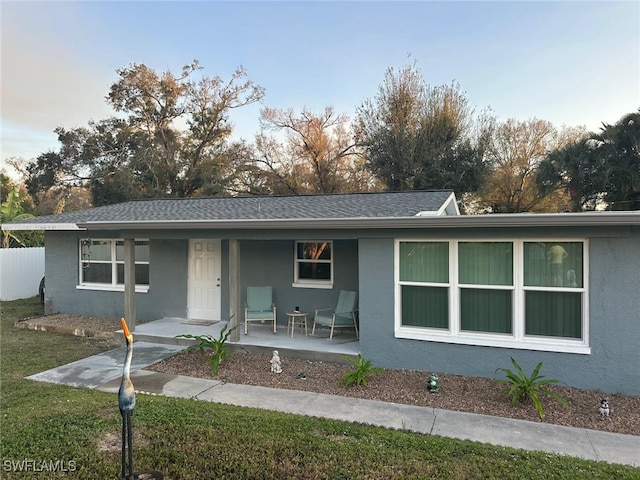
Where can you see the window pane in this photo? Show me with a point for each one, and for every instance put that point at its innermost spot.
(141, 251)
(96, 273)
(95, 250)
(553, 264)
(486, 263)
(535, 263)
(553, 314)
(314, 271)
(424, 262)
(485, 310)
(314, 251)
(425, 306)
(142, 274)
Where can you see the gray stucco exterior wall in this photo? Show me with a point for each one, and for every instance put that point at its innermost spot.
(167, 296)
(271, 262)
(367, 265)
(168, 271)
(262, 262)
(614, 322)
(615, 314)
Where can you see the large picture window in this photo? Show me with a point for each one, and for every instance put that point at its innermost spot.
(313, 264)
(516, 294)
(102, 264)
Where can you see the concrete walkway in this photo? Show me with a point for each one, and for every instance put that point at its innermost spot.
(103, 372)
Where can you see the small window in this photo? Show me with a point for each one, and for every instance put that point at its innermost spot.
(313, 264)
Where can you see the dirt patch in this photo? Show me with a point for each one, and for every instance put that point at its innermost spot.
(111, 442)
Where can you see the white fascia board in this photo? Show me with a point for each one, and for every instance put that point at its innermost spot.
(507, 220)
(40, 226)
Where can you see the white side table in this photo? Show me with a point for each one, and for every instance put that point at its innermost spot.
(302, 319)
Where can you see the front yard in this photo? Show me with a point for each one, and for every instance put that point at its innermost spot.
(51, 431)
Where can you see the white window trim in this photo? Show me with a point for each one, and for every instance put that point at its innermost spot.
(516, 340)
(108, 287)
(103, 287)
(303, 283)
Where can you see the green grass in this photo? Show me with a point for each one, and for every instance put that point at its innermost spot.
(189, 439)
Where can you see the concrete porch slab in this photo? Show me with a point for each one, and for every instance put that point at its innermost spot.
(260, 340)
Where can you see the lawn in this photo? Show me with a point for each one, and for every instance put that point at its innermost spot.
(62, 432)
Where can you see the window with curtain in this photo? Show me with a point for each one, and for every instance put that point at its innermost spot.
(515, 293)
(485, 275)
(553, 284)
(424, 284)
(102, 263)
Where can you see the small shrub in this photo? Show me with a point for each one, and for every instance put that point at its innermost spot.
(207, 342)
(520, 386)
(362, 369)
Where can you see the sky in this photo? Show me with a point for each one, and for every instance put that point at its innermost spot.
(571, 63)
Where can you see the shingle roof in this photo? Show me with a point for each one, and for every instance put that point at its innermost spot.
(342, 206)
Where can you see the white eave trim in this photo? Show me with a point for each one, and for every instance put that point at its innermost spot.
(507, 220)
(40, 226)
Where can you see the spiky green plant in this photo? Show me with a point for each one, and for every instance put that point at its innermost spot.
(362, 369)
(521, 387)
(218, 345)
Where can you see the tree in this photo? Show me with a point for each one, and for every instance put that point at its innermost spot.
(11, 210)
(171, 138)
(572, 170)
(513, 154)
(601, 170)
(416, 136)
(618, 146)
(6, 187)
(59, 200)
(317, 155)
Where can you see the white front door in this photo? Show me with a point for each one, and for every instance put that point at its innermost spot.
(204, 279)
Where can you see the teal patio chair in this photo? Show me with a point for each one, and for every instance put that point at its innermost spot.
(259, 307)
(344, 315)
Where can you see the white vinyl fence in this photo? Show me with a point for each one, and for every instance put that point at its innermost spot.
(21, 270)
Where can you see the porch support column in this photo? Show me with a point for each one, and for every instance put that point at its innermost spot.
(130, 282)
(235, 295)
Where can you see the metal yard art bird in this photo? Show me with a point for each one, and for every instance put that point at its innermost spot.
(127, 403)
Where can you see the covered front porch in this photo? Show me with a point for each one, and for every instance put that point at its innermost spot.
(260, 340)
